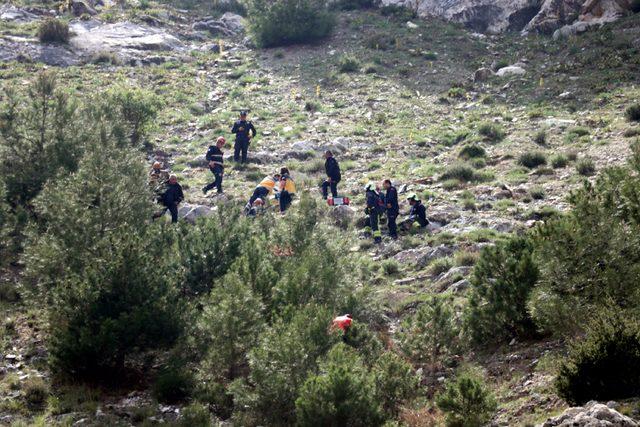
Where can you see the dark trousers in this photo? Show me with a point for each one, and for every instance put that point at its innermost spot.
(285, 200)
(258, 193)
(172, 208)
(333, 185)
(371, 226)
(240, 147)
(391, 222)
(217, 183)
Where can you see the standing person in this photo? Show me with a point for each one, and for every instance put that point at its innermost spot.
(216, 165)
(263, 190)
(374, 207)
(287, 189)
(332, 168)
(171, 198)
(244, 131)
(393, 209)
(417, 214)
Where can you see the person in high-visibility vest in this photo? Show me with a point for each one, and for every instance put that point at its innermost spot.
(287, 189)
(263, 190)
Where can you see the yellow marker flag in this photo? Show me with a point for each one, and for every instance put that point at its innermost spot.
(221, 46)
(541, 81)
(318, 91)
(397, 43)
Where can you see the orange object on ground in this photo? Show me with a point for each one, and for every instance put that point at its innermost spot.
(342, 322)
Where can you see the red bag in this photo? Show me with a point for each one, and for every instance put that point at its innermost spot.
(338, 201)
(342, 322)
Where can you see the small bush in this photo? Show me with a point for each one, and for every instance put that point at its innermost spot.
(559, 161)
(537, 193)
(457, 92)
(461, 172)
(53, 31)
(285, 22)
(312, 106)
(370, 68)
(586, 166)
(540, 137)
(502, 281)
(390, 267)
(430, 56)
(35, 391)
(465, 259)
(395, 382)
(439, 266)
(576, 133)
(471, 151)
(466, 401)
(633, 113)
(605, 365)
(106, 58)
(532, 159)
(432, 333)
(195, 415)
(173, 385)
(343, 393)
(632, 132)
(348, 64)
(354, 4)
(491, 131)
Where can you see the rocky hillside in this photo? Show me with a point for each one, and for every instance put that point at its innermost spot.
(491, 128)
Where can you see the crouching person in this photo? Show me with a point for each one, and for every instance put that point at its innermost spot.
(262, 191)
(171, 198)
(417, 215)
(287, 190)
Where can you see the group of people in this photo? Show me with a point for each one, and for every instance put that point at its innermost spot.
(379, 203)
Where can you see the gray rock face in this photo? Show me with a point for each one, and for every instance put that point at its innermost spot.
(229, 24)
(12, 13)
(593, 414)
(25, 50)
(191, 213)
(539, 16)
(125, 38)
(511, 71)
(81, 7)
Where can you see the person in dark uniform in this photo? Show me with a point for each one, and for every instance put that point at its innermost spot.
(332, 168)
(287, 189)
(393, 209)
(171, 198)
(417, 214)
(373, 209)
(216, 165)
(244, 131)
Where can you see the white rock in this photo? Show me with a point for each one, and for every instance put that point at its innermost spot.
(411, 25)
(511, 71)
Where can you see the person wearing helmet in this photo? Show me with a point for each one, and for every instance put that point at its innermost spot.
(263, 190)
(171, 198)
(334, 176)
(287, 189)
(216, 165)
(393, 209)
(244, 131)
(375, 207)
(417, 214)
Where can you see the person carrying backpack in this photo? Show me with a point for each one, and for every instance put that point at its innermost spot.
(375, 208)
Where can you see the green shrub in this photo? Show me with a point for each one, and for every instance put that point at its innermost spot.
(280, 363)
(343, 393)
(605, 365)
(532, 159)
(172, 385)
(472, 151)
(537, 193)
(432, 333)
(586, 166)
(395, 382)
(135, 109)
(35, 391)
(466, 401)
(576, 133)
(440, 266)
(195, 415)
(230, 325)
(465, 259)
(633, 113)
(559, 161)
(491, 131)
(285, 22)
(430, 56)
(502, 281)
(312, 106)
(390, 267)
(354, 4)
(540, 137)
(53, 30)
(461, 172)
(348, 64)
(457, 92)
(399, 12)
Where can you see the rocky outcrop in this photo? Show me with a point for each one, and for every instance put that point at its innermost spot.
(27, 50)
(127, 39)
(539, 16)
(592, 414)
(229, 24)
(15, 14)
